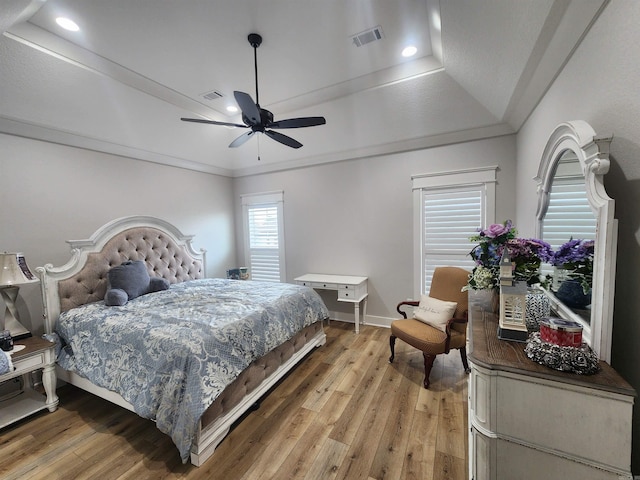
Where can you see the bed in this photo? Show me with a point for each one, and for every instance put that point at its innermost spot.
(193, 358)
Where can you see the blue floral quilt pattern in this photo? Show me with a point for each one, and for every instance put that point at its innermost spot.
(171, 353)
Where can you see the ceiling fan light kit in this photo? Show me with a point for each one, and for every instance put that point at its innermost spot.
(260, 120)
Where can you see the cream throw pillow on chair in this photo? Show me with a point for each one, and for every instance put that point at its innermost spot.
(434, 312)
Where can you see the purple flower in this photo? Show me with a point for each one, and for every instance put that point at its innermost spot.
(572, 253)
(496, 229)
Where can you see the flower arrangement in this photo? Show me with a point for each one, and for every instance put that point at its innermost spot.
(576, 257)
(526, 254)
(485, 275)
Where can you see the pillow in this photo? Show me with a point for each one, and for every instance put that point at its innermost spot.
(115, 297)
(157, 284)
(132, 277)
(434, 312)
(129, 281)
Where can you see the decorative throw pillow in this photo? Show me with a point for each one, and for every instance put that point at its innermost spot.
(132, 277)
(115, 297)
(157, 284)
(129, 281)
(434, 312)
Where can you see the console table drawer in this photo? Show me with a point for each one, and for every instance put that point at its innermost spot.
(351, 292)
(326, 286)
(346, 294)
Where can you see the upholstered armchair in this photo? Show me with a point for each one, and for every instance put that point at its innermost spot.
(447, 317)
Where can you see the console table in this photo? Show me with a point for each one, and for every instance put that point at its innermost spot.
(529, 421)
(350, 289)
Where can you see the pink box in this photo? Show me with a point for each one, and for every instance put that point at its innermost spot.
(559, 331)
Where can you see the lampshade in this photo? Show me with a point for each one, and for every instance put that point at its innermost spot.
(14, 270)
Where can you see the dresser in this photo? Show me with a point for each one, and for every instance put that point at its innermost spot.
(528, 421)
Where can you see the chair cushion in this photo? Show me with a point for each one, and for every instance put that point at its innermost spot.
(425, 337)
(447, 284)
(434, 312)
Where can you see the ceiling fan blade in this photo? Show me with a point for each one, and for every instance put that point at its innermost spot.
(212, 122)
(248, 107)
(279, 137)
(241, 139)
(298, 122)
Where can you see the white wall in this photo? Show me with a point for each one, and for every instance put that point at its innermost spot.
(51, 193)
(355, 217)
(600, 85)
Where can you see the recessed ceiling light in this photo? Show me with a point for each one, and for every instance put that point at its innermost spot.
(232, 109)
(409, 51)
(67, 24)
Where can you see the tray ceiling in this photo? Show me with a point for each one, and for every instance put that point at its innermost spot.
(121, 83)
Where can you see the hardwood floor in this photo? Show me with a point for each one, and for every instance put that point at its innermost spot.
(343, 413)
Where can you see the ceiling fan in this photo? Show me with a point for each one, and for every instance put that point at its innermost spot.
(257, 119)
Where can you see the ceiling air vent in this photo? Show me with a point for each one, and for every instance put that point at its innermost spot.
(212, 95)
(368, 36)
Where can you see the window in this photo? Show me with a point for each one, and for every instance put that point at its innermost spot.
(448, 209)
(264, 236)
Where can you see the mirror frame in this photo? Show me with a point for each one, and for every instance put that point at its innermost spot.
(593, 154)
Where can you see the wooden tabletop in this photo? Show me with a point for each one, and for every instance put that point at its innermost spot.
(32, 345)
(488, 351)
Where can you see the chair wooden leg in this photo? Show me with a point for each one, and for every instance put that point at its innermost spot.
(463, 356)
(392, 346)
(428, 365)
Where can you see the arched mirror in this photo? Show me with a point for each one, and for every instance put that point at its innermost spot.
(569, 218)
(573, 204)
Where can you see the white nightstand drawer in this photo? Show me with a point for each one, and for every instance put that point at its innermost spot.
(29, 363)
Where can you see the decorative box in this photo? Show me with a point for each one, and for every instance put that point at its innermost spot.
(561, 332)
(538, 308)
(241, 273)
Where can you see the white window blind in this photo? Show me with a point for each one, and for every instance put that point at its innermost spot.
(450, 217)
(569, 214)
(264, 236)
(449, 208)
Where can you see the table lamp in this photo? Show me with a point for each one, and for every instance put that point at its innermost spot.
(13, 272)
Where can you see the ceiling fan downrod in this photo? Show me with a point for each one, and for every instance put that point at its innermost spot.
(255, 40)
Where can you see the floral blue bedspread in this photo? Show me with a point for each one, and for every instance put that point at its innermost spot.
(171, 353)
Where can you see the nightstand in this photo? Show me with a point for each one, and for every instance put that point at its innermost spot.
(37, 354)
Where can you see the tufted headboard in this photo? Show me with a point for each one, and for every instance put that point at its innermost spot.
(166, 252)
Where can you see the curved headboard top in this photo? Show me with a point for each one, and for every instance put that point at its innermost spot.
(165, 250)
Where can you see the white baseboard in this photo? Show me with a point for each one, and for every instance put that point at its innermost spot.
(370, 320)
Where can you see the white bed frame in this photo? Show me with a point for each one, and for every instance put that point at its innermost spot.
(209, 437)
